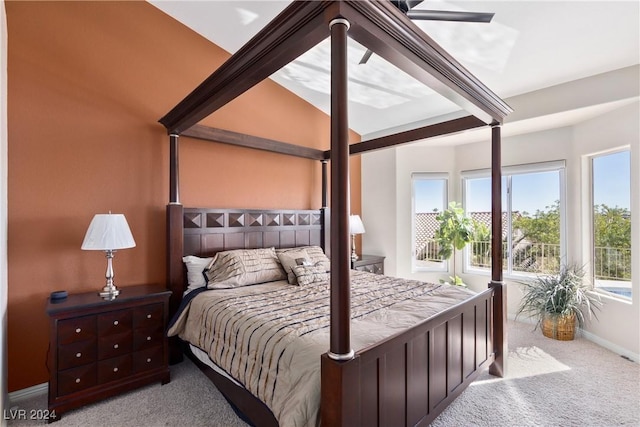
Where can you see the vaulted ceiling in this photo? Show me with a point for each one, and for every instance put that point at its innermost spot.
(529, 45)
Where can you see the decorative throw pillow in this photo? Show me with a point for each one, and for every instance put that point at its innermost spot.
(308, 274)
(290, 259)
(195, 271)
(318, 257)
(315, 254)
(243, 267)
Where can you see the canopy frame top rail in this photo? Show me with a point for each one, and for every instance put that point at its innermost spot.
(378, 25)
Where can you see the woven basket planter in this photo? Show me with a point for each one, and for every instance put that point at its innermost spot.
(559, 327)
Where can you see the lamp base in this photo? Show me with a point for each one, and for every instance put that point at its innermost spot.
(354, 255)
(109, 292)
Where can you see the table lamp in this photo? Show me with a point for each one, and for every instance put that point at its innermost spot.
(355, 227)
(108, 233)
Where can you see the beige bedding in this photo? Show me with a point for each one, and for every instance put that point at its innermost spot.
(270, 337)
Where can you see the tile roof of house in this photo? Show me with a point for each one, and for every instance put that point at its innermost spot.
(427, 224)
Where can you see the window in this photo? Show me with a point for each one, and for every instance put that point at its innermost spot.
(533, 200)
(428, 198)
(611, 222)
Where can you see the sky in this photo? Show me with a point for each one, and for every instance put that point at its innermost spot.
(612, 182)
(536, 191)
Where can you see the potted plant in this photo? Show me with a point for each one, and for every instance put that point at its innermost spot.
(454, 232)
(559, 301)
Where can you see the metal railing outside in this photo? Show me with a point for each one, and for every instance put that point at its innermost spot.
(612, 263)
(538, 258)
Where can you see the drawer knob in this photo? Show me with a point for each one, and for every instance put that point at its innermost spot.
(148, 316)
(115, 322)
(78, 330)
(115, 369)
(148, 338)
(116, 346)
(148, 360)
(77, 380)
(78, 354)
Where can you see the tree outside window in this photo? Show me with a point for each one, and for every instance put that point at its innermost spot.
(611, 222)
(532, 218)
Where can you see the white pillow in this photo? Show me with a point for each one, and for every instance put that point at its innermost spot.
(195, 271)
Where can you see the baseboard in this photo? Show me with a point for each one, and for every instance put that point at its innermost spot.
(611, 346)
(29, 392)
(593, 338)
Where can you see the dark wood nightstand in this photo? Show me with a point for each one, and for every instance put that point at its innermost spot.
(102, 348)
(370, 263)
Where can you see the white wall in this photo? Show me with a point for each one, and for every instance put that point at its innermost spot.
(389, 230)
(378, 214)
(3, 211)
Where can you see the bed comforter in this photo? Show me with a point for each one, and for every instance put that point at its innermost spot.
(269, 337)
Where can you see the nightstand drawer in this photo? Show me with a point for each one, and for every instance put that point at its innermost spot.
(377, 268)
(147, 359)
(147, 316)
(78, 329)
(76, 354)
(76, 379)
(114, 369)
(100, 348)
(115, 322)
(147, 338)
(114, 345)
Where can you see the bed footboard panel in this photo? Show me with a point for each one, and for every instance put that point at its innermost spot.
(411, 377)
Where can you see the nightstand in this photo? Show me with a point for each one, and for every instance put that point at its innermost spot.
(370, 263)
(100, 348)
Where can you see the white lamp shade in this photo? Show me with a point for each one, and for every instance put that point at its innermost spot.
(108, 232)
(355, 225)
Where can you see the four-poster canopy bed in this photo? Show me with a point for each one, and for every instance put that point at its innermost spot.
(407, 378)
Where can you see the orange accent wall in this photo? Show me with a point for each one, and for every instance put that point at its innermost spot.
(87, 83)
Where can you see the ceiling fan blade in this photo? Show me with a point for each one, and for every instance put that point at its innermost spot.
(446, 15)
(413, 3)
(366, 56)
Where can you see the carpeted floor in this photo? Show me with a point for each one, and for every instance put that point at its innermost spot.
(549, 383)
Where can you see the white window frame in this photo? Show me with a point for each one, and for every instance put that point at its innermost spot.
(589, 241)
(419, 176)
(507, 172)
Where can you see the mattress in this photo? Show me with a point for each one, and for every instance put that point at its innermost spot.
(269, 337)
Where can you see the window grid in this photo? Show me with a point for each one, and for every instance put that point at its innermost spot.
(527, 249)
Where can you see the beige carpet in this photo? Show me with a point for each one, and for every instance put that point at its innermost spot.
(549, 383)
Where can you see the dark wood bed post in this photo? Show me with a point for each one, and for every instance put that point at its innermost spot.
(339, 403)
(499, 366)
(340, 341)
(174, 243)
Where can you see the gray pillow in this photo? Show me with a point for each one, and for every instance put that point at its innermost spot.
(315, 254)
(308, 274)
(243, 267)
(292, 258)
